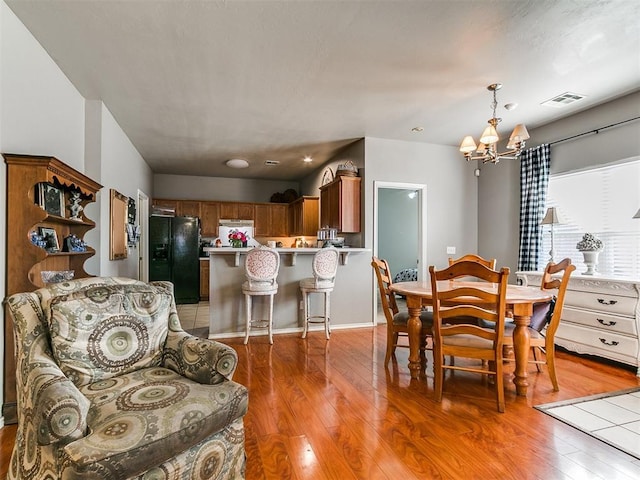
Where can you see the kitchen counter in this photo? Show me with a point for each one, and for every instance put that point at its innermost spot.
(351, 299)
(293, 252)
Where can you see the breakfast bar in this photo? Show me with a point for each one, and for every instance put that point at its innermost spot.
(351, 300)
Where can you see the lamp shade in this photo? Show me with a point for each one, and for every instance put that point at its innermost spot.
(551, 217)
(468, 145)
(489, 135)
(637, 215)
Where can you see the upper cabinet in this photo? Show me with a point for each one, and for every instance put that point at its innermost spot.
(236, 211)
(209, 218)
(188, 208)
(340, 204)
(304, 217)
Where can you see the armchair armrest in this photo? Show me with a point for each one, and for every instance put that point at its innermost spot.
(201, 360)
(59, 409)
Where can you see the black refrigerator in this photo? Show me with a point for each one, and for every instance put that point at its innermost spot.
(174, 244)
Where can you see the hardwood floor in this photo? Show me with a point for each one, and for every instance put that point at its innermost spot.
(330, 410)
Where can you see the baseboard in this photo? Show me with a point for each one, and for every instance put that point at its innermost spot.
(282, 331)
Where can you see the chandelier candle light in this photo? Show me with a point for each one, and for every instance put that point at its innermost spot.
(487, 150)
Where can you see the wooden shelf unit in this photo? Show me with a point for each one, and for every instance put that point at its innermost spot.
(25, 261)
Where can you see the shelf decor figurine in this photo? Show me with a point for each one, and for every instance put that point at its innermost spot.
(74, 205)
(590, 246)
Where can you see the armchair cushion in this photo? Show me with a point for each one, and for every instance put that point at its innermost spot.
(109, 330)
(139, 419)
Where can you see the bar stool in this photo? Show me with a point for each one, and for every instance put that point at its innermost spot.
(261, 269)
(325, 266)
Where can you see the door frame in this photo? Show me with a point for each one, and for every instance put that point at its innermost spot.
(143, 243)
(422, 229)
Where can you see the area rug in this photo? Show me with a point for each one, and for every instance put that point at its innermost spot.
(613, 418)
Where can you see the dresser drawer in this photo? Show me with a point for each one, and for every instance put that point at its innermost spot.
(606, 344)
(602, 302)
(600, 321)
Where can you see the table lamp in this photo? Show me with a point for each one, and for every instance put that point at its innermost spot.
(551, 218)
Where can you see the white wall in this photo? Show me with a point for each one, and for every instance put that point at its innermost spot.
(499, 191)
(451, 192)
(185, 187)
(42, 113)
(124, 170)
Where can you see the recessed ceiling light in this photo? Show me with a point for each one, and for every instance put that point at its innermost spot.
(237, 163)
(417, 129)
(307, 159)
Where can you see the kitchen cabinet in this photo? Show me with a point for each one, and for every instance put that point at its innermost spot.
(188, 208)
(204, 279)
(601, 316)
(270, 220)
(236, 210)
(209, 218)
(28, 214)
(304, 216)
(340, 204)
(279, 220)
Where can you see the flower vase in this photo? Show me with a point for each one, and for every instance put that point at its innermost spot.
(236, 243)
(591, 261)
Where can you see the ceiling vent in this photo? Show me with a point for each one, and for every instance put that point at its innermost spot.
(563, 100)
(271, 162)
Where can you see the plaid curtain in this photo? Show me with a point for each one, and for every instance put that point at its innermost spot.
(534, 180)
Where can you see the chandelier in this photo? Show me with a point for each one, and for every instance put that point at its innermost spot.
(487, 150)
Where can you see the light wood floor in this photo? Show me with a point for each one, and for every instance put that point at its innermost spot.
(330, 410)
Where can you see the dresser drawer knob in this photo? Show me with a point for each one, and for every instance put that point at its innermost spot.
(610, 323)
(612, 343)
(607, 302)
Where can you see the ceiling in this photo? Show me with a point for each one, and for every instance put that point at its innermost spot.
(196, 83)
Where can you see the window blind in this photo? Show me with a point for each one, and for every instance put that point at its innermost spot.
(601, 201)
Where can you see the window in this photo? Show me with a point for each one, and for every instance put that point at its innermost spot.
(601, 201)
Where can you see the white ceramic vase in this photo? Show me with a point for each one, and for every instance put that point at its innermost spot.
(591, 261)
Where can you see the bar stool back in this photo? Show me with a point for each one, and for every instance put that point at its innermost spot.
(325, 266)
(261, 269)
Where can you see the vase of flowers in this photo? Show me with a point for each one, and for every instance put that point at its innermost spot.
(590, 246)
(238, 239)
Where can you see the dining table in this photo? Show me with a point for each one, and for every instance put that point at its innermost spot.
(519, 303)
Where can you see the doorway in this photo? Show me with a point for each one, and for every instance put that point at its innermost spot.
(400, 229)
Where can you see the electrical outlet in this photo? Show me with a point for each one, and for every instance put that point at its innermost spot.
(451, 250)
(301, 304)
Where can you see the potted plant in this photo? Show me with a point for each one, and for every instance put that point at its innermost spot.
(590, 246)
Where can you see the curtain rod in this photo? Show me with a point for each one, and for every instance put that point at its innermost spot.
(597, 130)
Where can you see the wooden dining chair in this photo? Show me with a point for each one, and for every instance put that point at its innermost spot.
(470, 257)
(396, 320)
(469, 340)
(556, 278)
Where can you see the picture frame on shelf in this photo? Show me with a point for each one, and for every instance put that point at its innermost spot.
(50, 198)
(50, 236)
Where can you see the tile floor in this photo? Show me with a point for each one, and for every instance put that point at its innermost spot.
(194, 316)
(614, 419)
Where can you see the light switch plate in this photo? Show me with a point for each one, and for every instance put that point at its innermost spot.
(451, 250)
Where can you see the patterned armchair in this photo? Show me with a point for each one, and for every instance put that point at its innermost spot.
(110, 387)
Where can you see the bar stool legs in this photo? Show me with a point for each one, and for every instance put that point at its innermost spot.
(250, 322)
(325, 318)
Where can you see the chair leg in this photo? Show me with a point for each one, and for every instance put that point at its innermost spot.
(327, 308)
(551, 366)
(438, 373)
(536, 358)
(305, 304)
(499, 385)
(392, 339)
(247, 302)
(270, 319)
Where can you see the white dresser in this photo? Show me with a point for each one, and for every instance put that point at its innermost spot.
(601, 316)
